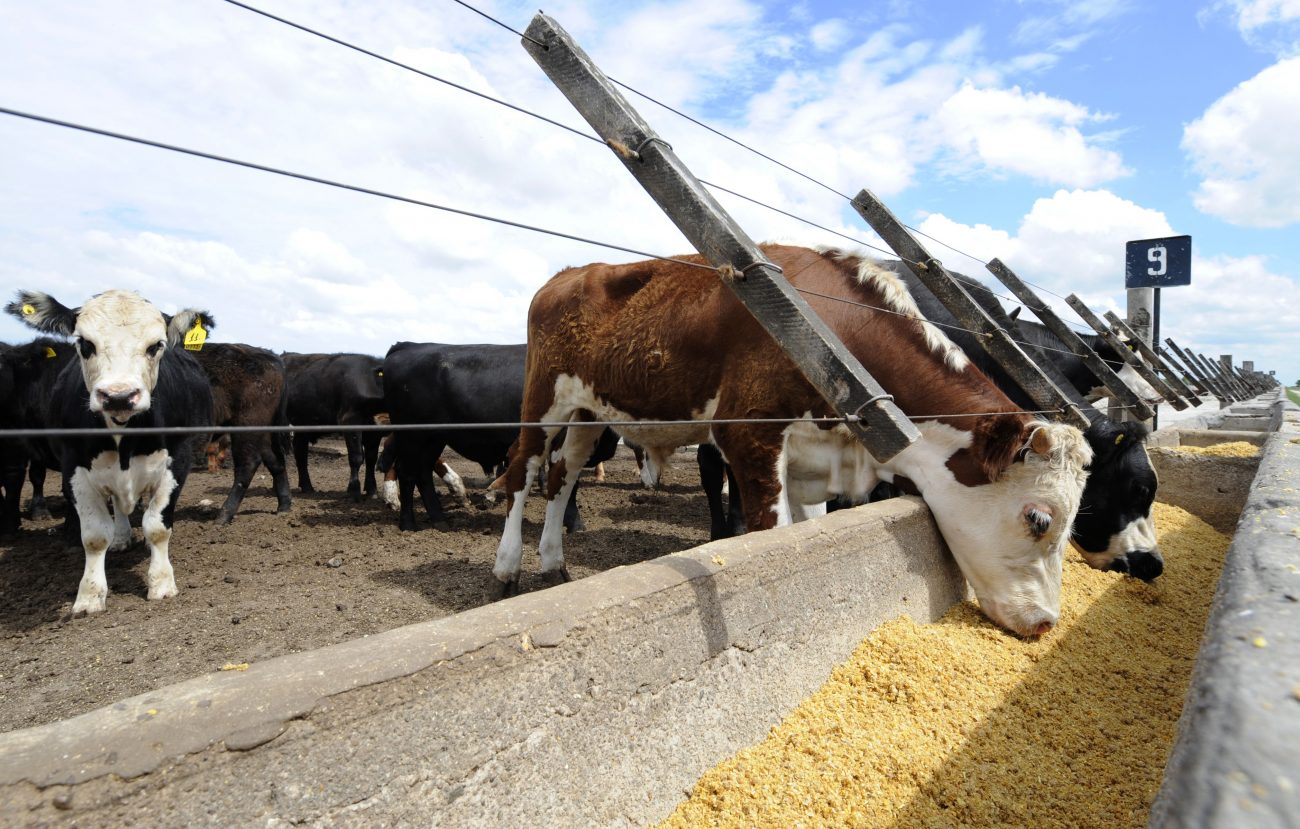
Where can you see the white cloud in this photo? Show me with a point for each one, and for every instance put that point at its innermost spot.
(1270, 25)
(1074, 243)
(1008, 130)
(1243, 146)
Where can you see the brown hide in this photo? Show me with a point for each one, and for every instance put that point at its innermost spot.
(659, 339)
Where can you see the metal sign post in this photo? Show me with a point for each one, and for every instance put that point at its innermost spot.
(1149, 265)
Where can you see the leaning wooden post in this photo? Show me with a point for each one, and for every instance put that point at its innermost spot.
(1216, 371)
(1081, 308)
(1216, 388)
(1127, 399)
(993, 338)
(1203, 389)
(1158, 364)
(758, 284)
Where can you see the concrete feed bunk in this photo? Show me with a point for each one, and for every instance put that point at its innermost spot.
(597, 703)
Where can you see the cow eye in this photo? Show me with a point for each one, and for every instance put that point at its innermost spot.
(86, 347)
(155, 349)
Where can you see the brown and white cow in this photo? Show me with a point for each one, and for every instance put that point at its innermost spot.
(660, 340)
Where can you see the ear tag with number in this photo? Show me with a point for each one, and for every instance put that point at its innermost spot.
(195, 337)
(28, 310)
(50, 353)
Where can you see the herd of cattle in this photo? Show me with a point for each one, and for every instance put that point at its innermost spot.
(654, 341)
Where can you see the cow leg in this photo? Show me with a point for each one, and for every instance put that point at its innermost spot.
(755, 454)
(71, 518)
(562, 479)
(524, 463)
(711, 465)
(243, 449)
(39, 510)
(450, 478)
(11, 484)
(572, 519)
(300, 444)
(428, 493)
(121, 524)
(96, 532)
(157, 526)
(356, 457)
(370, 444)
(272, 451)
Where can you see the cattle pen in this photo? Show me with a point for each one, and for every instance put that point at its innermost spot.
(600, 702)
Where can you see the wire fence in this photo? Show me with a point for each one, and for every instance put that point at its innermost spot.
(975, 285)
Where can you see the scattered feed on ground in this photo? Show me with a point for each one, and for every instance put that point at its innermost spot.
(1235, 449)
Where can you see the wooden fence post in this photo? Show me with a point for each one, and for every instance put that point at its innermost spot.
(994, 339)
(1158, 364)
(1216, 388)
(1127, 399)
(1171, 397)
(1203, 388)
(760, 286)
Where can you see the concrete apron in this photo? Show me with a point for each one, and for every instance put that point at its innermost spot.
(595, 703)
(599, 703)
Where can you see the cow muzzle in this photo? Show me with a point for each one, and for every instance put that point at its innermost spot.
(119, 402)
(1140, 564)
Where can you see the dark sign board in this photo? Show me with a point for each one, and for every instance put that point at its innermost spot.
(1158, 263)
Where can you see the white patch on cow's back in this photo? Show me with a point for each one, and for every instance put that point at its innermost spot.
(899, 300)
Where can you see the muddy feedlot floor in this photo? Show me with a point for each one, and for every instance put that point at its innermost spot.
(268, 585)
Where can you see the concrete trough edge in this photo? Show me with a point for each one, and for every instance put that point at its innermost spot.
(1236, 759)
(595, 703)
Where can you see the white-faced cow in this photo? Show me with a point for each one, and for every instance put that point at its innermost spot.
(1113, 530)
(130, 374)
(662, 340)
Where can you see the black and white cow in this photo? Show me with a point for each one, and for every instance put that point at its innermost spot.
(130, 374)
(336, 389)
(27, 376)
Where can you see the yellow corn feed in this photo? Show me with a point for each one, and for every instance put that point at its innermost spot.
(1236, 449)
(959, 724)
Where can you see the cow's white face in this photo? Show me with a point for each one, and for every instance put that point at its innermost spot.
(120, 339)
(1008, 536)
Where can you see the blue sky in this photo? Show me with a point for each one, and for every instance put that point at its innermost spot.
(1044, 133)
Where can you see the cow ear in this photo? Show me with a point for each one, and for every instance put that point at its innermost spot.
(1015, 313)
(44, 313)
(184, 321)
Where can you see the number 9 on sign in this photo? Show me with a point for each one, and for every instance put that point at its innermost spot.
(1160, 256)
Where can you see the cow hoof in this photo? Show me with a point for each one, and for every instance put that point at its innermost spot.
(284, 506)
(554, 577)
(223, 519)
(41, 514)
(503, 589)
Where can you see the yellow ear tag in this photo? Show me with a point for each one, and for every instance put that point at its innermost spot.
(1119, 439)
(195, 337)
(50, 353)
(28, 310)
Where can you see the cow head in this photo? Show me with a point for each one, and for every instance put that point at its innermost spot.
(120, 339)
(1114, 530)
(1007, 532)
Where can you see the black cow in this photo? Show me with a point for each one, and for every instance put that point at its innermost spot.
(249, 389)
(435, 383)
(130, 374)
(27, 376)
(336, 389)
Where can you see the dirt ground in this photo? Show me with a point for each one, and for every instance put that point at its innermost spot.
(267, 584)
